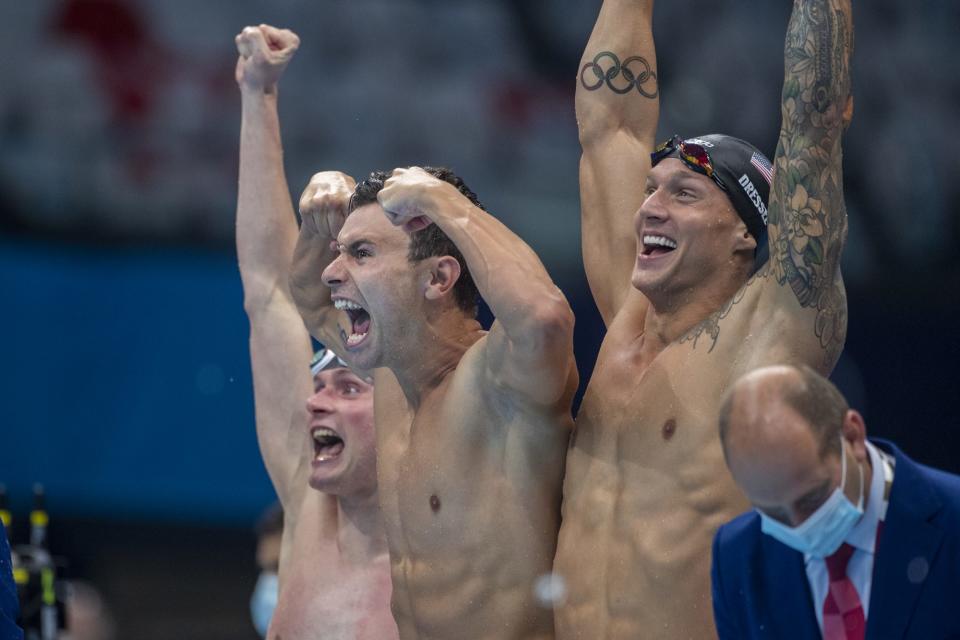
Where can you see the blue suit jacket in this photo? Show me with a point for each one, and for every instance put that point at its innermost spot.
(760, 587)
(8, 594)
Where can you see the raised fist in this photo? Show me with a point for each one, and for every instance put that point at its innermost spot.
(264, 54)
(410, 196)
(323, 205)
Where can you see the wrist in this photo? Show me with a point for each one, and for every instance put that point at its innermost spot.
(452, 205)
(253, 94)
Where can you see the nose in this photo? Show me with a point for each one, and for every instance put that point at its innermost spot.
(319, 403)
(333, 275)
(652, 210)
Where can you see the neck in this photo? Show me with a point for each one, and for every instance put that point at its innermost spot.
(360, 533)
(674, 314)
(678, 309)
(430, 356)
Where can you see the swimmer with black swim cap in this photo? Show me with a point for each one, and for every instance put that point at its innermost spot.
(741, 171)
(694, 292)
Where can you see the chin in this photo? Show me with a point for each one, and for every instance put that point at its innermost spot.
(646, 283)
(366, 358)
(326, 481)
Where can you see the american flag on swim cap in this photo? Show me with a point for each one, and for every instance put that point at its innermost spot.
(746, 173)
(763, 166)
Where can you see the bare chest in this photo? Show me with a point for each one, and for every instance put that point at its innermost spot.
(647, 435)
(645, 489)
(320, 596)
(437, 472)
(643, 412)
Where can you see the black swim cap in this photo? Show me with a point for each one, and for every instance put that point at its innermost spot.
(746, 173)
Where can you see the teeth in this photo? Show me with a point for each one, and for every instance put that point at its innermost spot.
(346, 304)
(659, 241)
(324, 432)
(355, 338)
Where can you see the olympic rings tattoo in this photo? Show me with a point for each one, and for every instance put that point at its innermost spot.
(617, 68)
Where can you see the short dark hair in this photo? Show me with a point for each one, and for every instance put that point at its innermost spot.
(430, 241)
(815, 399)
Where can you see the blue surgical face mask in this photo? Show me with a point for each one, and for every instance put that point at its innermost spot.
(825, 530)
(263, 601)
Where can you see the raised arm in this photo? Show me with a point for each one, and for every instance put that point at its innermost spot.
(266, 234)
(323, 208)
(530, 345)
(618, 105)
(808, 218)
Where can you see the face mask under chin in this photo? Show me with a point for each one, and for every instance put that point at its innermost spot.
(264, 601)
(824, 531)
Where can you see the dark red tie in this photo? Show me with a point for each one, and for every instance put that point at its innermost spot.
(842, 611)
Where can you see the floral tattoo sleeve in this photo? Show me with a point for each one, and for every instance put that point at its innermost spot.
(808, 221)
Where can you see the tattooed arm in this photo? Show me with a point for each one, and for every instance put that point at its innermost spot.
(808, 219)
(617, 108)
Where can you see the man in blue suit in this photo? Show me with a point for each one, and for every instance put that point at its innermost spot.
(849, 538)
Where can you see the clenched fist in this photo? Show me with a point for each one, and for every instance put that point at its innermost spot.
(411, 195)
(265, 52)
(323, 205)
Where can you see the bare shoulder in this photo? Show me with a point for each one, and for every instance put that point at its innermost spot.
(481, 404)
(759, 326)
(630, 318)
(388, 399)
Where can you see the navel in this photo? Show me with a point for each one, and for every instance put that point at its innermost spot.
(434, 503)
(669, 428)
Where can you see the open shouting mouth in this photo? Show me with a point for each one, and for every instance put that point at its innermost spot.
(327, 444)
(359, 321)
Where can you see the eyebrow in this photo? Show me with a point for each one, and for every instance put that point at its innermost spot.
(340, 374)
(813, 493)
(687, 178)
(352, 246)
(816, 492)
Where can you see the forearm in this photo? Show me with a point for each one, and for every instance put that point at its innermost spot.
(279, 345)
(617, 84)
(266, 223)
(617, 102)
(817, 52)
(808, 220)
(312, 254)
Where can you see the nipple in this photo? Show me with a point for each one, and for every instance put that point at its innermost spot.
(669, 428)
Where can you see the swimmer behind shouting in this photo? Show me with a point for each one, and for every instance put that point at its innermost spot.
(316, 437)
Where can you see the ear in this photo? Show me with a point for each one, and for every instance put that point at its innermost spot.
(443, 274)
(744, 242)
(854, 431)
